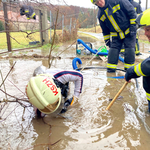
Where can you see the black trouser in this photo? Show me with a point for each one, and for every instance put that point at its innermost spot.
(115, 47)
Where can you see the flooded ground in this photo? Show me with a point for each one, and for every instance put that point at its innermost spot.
(125, 126)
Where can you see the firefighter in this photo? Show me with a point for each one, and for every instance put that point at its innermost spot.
(143, 68)
(48, 89)
(28, 11)
(117, 20)
(138, 10)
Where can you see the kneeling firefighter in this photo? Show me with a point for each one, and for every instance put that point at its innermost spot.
(48, 89)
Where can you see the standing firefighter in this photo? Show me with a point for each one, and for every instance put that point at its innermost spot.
(28, 11)
(48, 89)
(117, 20)
(142, 69)
(138, 10)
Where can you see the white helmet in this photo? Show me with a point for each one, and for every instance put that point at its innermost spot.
(39, 70)
(43, 93)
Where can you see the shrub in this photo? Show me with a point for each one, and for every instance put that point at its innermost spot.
(1, 26)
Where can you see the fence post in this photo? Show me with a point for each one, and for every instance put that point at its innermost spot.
(41, 33)
(70, 24)
(62, 24)
(7, 26)
(50, 26)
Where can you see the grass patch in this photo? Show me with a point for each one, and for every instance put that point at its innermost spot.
(96, 29)
(22, 39)
(87, 35)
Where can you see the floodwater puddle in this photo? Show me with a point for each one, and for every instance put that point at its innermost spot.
(126, 125)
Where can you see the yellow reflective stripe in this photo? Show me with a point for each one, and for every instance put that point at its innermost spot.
(138, 71)
(95, 1)
(113, 33)
(136, 49)
(121, 34)
(148, 96)
(132, 21)
(135, 8)
(128, 65)
(113, 66)
(122, 50)
(33, 15)
(103, 18)
(127, 31)
(115, 8)
(113, 22)
(106, 37)
(26, 11)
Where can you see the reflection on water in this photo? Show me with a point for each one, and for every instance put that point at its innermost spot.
(89, 126)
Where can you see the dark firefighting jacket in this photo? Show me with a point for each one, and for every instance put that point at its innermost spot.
(137, 6)
(28, 11)
(117, 18)
(141, 69)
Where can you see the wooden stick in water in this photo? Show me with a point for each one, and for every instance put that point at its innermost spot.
(122, 88)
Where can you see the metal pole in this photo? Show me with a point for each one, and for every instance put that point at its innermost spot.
(95, 20)
(41, 33)
(62, 24)
(7, 27)
(146, 3)
(70, 24)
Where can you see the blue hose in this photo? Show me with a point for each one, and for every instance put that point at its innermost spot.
(95, 51)
(74, 62)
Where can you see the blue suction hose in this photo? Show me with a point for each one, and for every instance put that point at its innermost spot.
(95, 51)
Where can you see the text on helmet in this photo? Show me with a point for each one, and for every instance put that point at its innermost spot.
(50, 85)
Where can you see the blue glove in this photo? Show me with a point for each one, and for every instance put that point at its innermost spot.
(133, 29)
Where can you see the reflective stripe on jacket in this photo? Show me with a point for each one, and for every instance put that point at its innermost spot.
(141, 69)
(116, 17)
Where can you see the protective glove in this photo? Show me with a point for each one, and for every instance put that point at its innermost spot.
(127, 77)
(107, 42)
(68, 102)
(129, 73)
(133, 29)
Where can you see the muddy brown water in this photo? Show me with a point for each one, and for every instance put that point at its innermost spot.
(125, 126)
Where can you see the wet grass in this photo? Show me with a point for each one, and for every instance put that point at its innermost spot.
(96, 29)
(21, 39)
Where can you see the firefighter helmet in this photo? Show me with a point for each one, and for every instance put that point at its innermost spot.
(94, 1)
(43, 93)
(144, 18)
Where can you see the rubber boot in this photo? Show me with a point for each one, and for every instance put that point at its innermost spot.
(129, 56)
(109, 70)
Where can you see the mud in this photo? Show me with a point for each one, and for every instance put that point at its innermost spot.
(125, 126)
